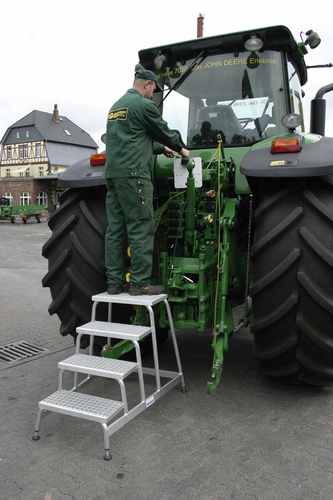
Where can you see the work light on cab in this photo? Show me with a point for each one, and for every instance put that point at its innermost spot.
(286, 145)
(253, 44)
(98, 160)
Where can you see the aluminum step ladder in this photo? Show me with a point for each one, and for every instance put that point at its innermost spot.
(103, 410)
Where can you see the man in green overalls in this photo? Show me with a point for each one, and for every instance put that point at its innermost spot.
(135, 131)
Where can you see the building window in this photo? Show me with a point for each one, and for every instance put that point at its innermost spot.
(27, 134)
(23, 151)
(9, 197)
(27, 172)
(17, 134)
(41, 171)
(42, 198)
(7, 172)
(25, 199)
(9, 152)
(37, 149)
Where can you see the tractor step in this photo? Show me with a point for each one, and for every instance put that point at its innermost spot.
(126, 298)
(114, 330)
(81, 405)
(98, 366)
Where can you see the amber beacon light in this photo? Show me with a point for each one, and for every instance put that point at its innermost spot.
(286, 145)
(97, 160)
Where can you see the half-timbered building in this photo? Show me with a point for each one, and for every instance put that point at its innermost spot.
(34, 150)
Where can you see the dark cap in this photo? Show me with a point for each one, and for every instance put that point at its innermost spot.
(146, 74)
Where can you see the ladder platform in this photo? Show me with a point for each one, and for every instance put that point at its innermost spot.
(126, 298)
(81, 405)
(111, 414)
(114, 330)
(98, 366)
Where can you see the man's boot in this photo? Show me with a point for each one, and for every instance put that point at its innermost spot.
(145, 290)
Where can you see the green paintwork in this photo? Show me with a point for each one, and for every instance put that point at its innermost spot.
(189, 211)
(118, 350)
(223, 321)
(164, 166)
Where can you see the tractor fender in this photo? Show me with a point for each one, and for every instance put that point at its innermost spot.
(314, 160)
(81, 174)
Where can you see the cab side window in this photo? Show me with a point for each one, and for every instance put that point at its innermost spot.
(295, 94)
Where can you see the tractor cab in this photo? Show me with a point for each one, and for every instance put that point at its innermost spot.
(239, 86)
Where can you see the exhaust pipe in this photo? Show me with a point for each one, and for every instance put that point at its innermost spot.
(200, 21)
(318, 111)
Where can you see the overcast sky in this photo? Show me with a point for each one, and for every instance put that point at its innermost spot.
(81, 55)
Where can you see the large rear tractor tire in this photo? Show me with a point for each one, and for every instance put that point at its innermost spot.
(75, 253)
(292, 289)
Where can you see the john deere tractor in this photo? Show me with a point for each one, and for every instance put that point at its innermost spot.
(247, 220)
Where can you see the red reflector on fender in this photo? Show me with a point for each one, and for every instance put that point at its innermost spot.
(286, 145)
(97, 160)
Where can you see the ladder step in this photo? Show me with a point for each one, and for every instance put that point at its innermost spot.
(126, 298)
(99, 366)
(81, 405)
(114, 330)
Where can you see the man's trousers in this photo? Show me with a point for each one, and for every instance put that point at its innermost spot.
(130, 216)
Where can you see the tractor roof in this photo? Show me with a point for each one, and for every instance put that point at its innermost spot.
(274, 38)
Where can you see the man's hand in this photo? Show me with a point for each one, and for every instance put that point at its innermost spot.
(184, 153)
(168, 152)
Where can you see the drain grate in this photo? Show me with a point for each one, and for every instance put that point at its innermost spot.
(17, 351)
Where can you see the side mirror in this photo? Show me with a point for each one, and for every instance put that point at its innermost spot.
(312, 40)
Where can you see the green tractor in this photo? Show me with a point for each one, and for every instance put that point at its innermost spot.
(248, 220)
(6, 210)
